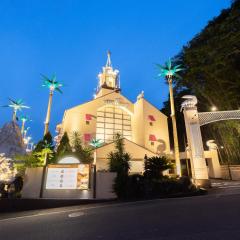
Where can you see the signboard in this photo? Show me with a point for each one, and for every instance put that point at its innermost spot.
(68, 176)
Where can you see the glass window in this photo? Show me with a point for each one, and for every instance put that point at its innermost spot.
(100, 130)
(109, 115)
(118, 126)
(109, 125)
(109, 120)
(100, 113)
(118, 121)
(100, 125)
(112, 120)
(100, 119)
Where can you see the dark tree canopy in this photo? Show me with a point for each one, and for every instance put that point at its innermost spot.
(211, 62)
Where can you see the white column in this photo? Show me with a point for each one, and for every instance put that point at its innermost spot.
(198, 163)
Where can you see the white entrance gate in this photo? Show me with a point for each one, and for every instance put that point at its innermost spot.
(193, 121)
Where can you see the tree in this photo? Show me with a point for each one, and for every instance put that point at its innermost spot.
(119, 163)
(64, 146)
(170, 72)
(154, 167)
(16, 105)
(7, 170)
(211, 63)
(83, 153)
(47, 139)
(53, 85)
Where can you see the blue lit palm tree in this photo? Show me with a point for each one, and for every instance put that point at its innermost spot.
(169, 72)
(53, 85)
(24, 119)
(95, 143)
(16, 105)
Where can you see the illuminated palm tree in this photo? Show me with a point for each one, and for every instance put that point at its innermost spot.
(17, 105)
(24, 119)
(53, 85)
(169, 72)
(95, 143)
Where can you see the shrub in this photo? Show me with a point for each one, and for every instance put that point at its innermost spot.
(155, 166)
(119, 163)
(135, 187)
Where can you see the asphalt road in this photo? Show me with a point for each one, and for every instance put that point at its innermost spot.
(206, 217)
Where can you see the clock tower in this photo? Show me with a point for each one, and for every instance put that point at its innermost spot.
(108, 79)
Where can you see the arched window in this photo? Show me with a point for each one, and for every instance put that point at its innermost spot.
(112, 120)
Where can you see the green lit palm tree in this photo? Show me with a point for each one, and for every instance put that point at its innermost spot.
(16, 105)
(24, 119)
(95, 143)
(53, 85)
(169, 72)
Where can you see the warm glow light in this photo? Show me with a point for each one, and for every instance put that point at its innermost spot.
(213, 108)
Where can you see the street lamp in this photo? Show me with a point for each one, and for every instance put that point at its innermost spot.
(53, 85)
(169, 72)
(213, 108)
(95, 143)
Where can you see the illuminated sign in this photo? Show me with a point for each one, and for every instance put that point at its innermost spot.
(68, 176)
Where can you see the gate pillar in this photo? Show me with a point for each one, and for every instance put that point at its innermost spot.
(194, 137)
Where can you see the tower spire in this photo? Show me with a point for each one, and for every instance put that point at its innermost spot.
(109, 63)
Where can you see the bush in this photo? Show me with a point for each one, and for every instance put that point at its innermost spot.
(155, 166)
(139, 187)
(135, 187)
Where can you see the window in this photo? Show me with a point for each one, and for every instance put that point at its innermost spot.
(152, 143)
(87, 122)
(151, 123)
(113, 120)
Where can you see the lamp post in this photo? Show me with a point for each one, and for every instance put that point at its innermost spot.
(53, 85)
(95, 143)
(169, 72)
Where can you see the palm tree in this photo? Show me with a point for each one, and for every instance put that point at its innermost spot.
(95, 143)
(24, 119)
(17, 105)
(169, 72)
(53, 85)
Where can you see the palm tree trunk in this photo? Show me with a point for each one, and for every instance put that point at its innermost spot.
(174, 125)
(14, 115)
(48, 113)
(23, 126)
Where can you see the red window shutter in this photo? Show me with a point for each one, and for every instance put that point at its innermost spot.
(151, 118)
(152, 138)
(88, 117)
(87, 137)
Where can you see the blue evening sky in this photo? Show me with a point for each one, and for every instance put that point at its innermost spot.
(71, 38)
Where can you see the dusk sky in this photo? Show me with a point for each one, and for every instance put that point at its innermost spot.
(71, 38)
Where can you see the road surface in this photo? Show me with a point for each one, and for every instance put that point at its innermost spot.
(214, 216)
